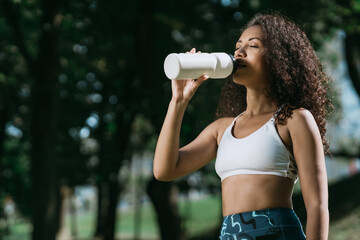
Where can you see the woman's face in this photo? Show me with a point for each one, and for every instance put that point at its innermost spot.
(250, 51)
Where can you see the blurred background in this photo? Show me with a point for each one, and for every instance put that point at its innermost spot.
(83, 97)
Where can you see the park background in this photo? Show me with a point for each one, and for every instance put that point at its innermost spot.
(83, 97)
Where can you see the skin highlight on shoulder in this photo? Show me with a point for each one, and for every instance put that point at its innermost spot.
(299, 116)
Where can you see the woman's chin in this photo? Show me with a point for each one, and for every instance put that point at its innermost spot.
(238, 80)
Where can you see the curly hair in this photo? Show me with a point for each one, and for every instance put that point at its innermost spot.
(295, 74)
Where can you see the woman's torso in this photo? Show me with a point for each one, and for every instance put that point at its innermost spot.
(246, 192)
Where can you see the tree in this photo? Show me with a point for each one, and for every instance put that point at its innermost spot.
(33, 30)
(42, 67)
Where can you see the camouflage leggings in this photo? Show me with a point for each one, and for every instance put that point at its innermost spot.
(267, 224)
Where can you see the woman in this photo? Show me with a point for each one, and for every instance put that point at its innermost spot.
(279, 96)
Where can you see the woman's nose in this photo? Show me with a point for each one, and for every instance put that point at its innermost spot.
(241, 52)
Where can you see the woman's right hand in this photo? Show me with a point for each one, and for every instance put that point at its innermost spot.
(183, 90)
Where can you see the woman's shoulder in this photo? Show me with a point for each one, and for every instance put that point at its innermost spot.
(301, 118)
(223, 122)
(220, 125)
(300, 114)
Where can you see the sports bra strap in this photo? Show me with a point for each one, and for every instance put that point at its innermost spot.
(280, 108)
(236, 118)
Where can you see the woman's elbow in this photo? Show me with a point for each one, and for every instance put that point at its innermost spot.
(163, 169)
(161, 175)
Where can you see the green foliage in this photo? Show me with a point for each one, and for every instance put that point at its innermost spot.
(110, 56)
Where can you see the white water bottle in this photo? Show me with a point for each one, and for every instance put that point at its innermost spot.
(186, 65)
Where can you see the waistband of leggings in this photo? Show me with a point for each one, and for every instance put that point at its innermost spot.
(266, 211)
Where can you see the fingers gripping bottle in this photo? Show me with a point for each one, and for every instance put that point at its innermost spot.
(185, 65)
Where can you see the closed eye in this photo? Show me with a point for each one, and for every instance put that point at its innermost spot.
(248, 46)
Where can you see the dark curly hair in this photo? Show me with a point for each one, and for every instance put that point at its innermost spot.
(296, 77)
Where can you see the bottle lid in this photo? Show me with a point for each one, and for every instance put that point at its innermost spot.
(172, 66)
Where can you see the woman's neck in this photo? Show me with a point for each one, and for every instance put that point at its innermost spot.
(258, 103)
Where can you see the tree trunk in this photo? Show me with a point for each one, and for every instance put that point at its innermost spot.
(162, 195)
(108, 194)
(113, 200)
(138, 204)
(110, 165)
(65, 194)
(44, 178)
(73, 214)
(102, 211)
(4, 118)
(43, 131)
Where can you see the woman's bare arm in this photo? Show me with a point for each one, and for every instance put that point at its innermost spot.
(309, 156)
(170, 162)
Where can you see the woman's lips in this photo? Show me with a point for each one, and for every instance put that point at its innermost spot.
(241, 63)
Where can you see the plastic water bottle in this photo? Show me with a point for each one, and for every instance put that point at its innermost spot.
(186, 65)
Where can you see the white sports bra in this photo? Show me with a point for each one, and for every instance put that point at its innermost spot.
(262, 152)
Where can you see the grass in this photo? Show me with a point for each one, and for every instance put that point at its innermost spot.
(199, 216)
(19, 229)
(346, 228)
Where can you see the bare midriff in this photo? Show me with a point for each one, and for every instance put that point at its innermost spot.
(243, 193)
